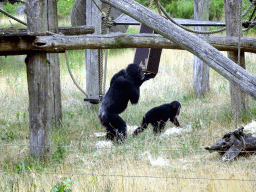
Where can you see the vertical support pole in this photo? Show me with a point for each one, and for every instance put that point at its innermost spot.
(201, 70)
(38, 84)
(93, 18)
(234, 28)
(54, 68)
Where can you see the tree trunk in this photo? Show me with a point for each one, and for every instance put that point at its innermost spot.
(234, 28)
(201, 70)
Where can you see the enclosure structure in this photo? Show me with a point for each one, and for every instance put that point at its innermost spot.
(41, 39)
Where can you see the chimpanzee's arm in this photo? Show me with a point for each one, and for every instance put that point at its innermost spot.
(147, 77)
(175, 121)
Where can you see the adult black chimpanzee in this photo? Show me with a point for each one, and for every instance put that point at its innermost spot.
(157, 116)
(124, 86)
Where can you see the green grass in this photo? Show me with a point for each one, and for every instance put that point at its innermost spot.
(73, 148)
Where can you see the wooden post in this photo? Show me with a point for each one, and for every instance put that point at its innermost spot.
(234, 28)
(201, 70)
(93, 18)
(39, 87)
(54, 69)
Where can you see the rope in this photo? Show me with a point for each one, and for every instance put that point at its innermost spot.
(151, 3)
(9, 15)
(187, 29)
(72, 77)
(102, 77)
(238, 62)
(158, 7)
(248, 9)
(205, 32)
(97, 6)
(105, 71)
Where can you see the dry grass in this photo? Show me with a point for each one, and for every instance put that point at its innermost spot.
(124, 168)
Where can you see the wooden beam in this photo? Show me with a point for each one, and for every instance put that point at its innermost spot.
(60, 43)
(211, 56)
(78, 30)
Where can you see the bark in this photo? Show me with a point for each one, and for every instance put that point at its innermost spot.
(201, 70)
(234, 28)
(59, 43)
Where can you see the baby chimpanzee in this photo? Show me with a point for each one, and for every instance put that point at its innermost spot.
(157, 116)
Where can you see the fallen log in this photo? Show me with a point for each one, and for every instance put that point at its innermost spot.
(233, 144)
(58, 43)
(211, 56)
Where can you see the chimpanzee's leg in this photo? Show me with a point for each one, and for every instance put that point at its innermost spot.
(144, 126)
(116, 127)
(156, 127)
(161, 126)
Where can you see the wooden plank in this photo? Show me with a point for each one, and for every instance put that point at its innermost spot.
(201, 70)
(193, 44)
(234, 28)
(59, 43)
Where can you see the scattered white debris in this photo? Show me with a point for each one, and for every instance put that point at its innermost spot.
(176, 131)
(155, 162)
(104, 144)
(251, 127)
(100, 134)
(131, 129)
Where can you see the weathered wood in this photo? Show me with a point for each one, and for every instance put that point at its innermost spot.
(126, 20)
(59, 43)
(201, 70)
(234, 28)
(78, 15)
(193, 44)
(78, 30)
(38, 84)
(54, 68)
(233, 144)
(93, 18)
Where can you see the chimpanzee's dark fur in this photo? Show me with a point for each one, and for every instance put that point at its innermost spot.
(124, 87)
(158, 116)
